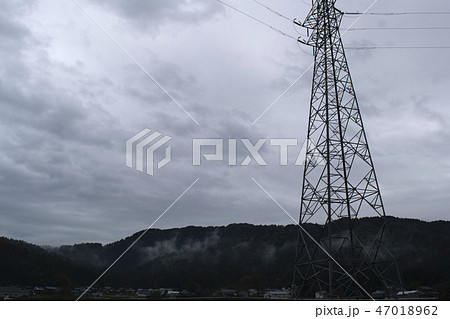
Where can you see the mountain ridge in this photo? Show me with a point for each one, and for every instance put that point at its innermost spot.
(205, 258)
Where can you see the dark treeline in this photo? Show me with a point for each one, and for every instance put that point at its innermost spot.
(203, 259)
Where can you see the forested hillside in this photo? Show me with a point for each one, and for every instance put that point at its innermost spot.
(203, 259)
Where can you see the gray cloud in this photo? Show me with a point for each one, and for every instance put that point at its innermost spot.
(155, 13)
(70, 98)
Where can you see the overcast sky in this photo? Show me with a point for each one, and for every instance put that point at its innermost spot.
(70, 98)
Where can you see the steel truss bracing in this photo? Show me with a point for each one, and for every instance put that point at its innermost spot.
(342, 187)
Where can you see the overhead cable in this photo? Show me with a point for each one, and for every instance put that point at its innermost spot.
(258, 20)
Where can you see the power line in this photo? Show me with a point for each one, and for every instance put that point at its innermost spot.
(400, 28)
(395, 13)
(295, 29)
(301, 49)
(273, 11)
(354, 29)
(258, 20)
(280, 15)
(398, 47)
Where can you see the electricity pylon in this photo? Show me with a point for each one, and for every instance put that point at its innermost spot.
(342, 262)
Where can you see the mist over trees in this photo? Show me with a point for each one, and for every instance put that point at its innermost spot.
(204, 259)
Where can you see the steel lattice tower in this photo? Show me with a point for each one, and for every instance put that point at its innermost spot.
(345, 187)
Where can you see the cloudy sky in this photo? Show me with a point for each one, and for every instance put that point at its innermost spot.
(70, 97)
